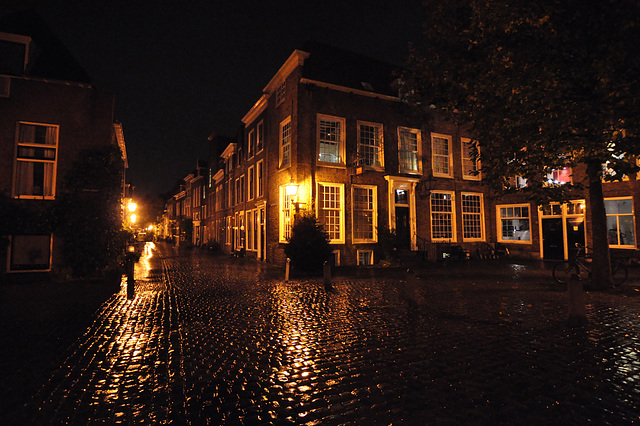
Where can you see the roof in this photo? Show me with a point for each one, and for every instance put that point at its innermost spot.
(336, 66)
(50, 58)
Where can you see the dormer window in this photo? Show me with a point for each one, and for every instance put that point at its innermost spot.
(14, 52)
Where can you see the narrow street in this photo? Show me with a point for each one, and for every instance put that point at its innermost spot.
(218, 340)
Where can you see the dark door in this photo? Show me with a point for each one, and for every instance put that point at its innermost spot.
(552, 239)
(402, 227)
(575, 233)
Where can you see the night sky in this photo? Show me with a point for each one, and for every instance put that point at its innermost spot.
(184, 69)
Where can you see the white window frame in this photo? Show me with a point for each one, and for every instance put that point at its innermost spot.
(466, 215)
(260, 179)
(341, 140)
(373, 211)
(249, 234)
(448, 158)
(285, 213)
(251, 183)
(251, 143)
(341, 210)
(499, 219)
(48, 163)
(285, 142)
(379, 146)
(468, 163)
(617, 216)
(452, 216)
(418, 152)
(260, 137)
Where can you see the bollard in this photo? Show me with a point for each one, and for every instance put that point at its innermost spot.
(130, 265)
(326, 274)
(577, 316)
(287, 269)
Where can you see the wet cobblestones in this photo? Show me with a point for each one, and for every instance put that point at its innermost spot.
(213, 340)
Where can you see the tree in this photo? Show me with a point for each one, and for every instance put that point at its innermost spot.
(89, 217)
(308, 248)
(542, 85)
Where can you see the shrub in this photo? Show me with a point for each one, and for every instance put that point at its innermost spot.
(308, 248)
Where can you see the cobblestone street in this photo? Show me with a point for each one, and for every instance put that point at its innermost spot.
(218, 340)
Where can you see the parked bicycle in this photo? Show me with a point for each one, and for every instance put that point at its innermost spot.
(581, 266)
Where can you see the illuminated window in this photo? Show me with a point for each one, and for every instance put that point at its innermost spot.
(470, 162)
(240, 237)
(286, 216)
(30, 253)
(331, 210)
(228, 230)
(250, 235)
(365, 257)
(620, 222)
(441, 157)
(260, 137)
(364, 213)
(285, 142)
(252, 183)
(36, 155)
(331, 139)
(517, 182)
(370, 144)
(559, 177)
(442, 216)
(472, 217)
(409, 150)
(514, 222)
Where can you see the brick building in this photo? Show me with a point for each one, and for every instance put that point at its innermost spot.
(331, 135)
(49, 112)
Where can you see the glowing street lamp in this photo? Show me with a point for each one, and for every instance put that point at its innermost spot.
(132, 206)
(133, 217)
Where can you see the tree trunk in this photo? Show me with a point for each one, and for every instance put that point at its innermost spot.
(601, 267)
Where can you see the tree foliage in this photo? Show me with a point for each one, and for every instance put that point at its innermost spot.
(89, 211)
(308, 248)
(541, 85)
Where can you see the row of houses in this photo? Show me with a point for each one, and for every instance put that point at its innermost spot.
(331, 135)
(49, 112)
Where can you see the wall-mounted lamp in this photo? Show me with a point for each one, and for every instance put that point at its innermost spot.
(292, 189)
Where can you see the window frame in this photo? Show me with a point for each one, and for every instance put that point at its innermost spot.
(285, 215)
(365, 252)
(380, 146)
(342, 141)
(251, 183)
(449, 156)
(341, 209)
(260, 179)
(11, 253)
(499, 219)
(53, 163)
(617, 215)
(374, 214)
(466, 214)
(418, 151)
(285, 146)
(259, 137)
(452, 215)
(464, 147)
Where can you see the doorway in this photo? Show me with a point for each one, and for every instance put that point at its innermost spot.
(562, 227)
(403, 231)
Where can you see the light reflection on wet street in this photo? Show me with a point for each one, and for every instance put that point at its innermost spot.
(214, 340)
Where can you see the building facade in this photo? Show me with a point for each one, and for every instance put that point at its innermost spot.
(331, 136)
(49, 112)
